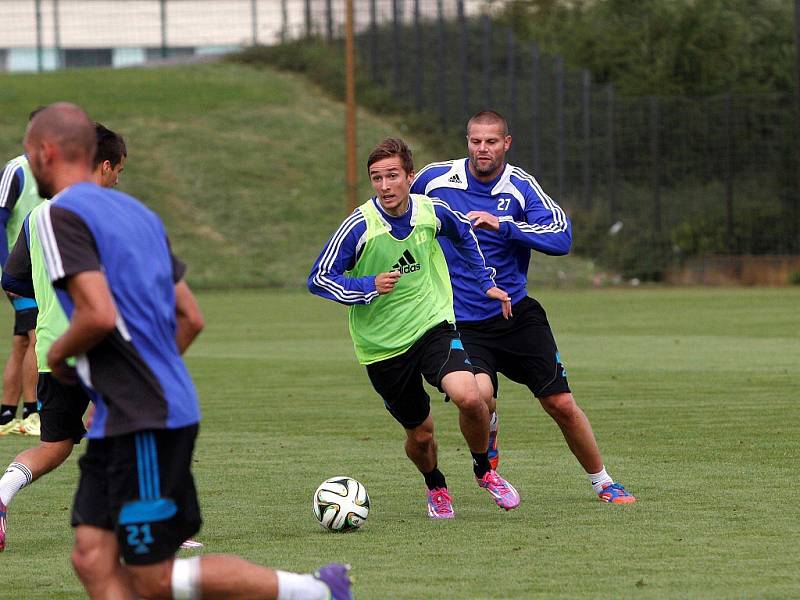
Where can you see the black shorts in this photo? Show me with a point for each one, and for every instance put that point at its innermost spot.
(25, 320)
(61, 409)
(522, 348)
(140, 485)
(399, 379)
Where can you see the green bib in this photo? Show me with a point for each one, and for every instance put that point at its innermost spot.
(28, 199)
(422, 298)
(52, 322)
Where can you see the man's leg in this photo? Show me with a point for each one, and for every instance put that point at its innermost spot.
(37, 461)
(95, 558)
(462, 389)
(30, 376)
(227, 577)
(422, 450)
(577, 430)
(12, 384)
(473, 416)
(487, 394)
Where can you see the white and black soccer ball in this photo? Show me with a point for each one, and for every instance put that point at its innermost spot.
(341, 504)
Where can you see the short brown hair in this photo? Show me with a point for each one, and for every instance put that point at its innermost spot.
(487, 117)
(392, 147)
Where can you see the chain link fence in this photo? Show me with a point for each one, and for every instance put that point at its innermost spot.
(648, 180)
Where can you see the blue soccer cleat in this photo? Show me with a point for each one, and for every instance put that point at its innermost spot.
(337, 578)
(615, 493)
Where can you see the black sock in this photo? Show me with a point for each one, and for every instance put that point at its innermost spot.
(28, 408)
(435, 479)
(480, 463)
(7, 413)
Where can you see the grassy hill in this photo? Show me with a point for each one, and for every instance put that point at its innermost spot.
(245, 166)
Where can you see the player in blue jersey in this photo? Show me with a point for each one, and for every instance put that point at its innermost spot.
(131, 317)
(511, 216)
(61, 407)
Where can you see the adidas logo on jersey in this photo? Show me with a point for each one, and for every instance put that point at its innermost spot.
(455, 179)
(406, 263)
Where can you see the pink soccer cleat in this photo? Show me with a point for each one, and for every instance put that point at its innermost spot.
(440, 505)
(502, 492)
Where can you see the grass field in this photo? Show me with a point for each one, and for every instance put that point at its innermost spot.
(693, 394)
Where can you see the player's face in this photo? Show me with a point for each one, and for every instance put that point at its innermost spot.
(109, 176)
(487, 145)
(391, 184)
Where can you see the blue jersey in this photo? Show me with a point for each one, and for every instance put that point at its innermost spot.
(136, 375)
(328, 276)
(529, 220)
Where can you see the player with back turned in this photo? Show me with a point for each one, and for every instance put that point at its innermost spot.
(131, 316)
(61, 407)
(511, 216)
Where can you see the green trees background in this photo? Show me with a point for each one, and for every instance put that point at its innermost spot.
(667, 47)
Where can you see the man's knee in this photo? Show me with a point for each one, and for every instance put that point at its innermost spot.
(560, 406)
(90, 560)
(420, 436)
(153, 582)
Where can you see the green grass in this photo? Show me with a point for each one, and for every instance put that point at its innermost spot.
(692, 394)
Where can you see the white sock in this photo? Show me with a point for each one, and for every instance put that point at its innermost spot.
(294, 586)
(493, 421)
(600, 479)
(16, 477)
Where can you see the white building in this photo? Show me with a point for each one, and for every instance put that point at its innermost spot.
(48, 34)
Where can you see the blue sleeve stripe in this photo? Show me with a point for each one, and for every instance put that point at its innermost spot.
(329, 258)
(559, 218)
(9, 172)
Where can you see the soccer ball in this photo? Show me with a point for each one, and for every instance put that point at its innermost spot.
(341, 504)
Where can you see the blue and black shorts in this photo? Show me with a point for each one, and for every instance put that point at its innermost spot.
(140, 485)
(522, 348)
(399, 379)
(25, 314)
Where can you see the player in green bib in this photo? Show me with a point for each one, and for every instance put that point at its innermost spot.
(18, 195)
(385, 263)
(61, 406)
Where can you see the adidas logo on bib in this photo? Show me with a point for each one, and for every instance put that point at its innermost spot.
(406, 263)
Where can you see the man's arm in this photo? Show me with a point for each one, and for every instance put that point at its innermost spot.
(190, 319)
(12, 181)
(457, 229)
(17, 274)
(546, 227)
(327, 278)
(94, 316)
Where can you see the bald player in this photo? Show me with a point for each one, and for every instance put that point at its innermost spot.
(136, 498)
(61, 406)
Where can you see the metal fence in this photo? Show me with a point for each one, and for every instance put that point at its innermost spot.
(678, 176)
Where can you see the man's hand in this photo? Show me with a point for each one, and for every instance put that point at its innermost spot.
(483, 220)
(497, 294)
(59, 367)
(385, 282)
